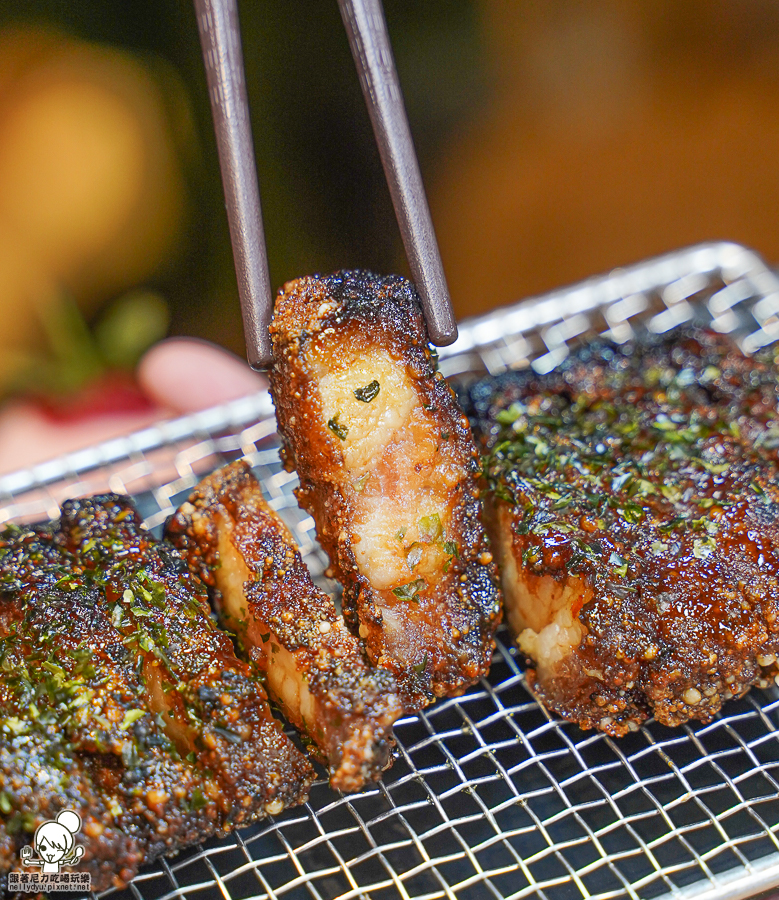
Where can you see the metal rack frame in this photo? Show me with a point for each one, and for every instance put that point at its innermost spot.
(490, 796)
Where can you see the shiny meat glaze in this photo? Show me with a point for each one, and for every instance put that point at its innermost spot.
(633, 506)
(314, 667)
(388, 471)
(122, 701)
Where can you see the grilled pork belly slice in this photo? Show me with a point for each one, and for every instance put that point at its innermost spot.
(388, 470)
(633, 505)
(314, 667)
(121, 700)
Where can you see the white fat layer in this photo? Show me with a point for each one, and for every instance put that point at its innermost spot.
(177, 729)
(285, 684)
(381, 553)
(370, 426)
(391, 452)
(539, 608)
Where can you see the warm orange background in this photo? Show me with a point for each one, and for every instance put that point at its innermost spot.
(616, 129)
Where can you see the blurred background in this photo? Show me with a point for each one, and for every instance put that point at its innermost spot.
(557, 139)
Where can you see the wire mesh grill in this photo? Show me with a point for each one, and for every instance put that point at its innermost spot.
(490, 796)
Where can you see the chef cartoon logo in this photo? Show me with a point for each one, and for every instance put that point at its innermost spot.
(53, 846)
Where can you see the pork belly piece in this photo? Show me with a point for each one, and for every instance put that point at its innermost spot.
(388, 470)
(122, 701)
(633, 505)
(315, 669)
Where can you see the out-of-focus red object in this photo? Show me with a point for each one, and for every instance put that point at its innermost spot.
(115, 393)
(175, 377)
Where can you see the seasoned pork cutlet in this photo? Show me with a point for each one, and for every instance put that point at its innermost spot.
(315, 669)
(388, 470)
(633, 504)
(122, 701)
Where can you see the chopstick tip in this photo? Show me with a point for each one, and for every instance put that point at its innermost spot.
(443, 337)
(258, 353)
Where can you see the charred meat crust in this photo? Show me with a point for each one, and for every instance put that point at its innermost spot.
(321, 326)
(353, 705)
(122, 701)
(646, 476)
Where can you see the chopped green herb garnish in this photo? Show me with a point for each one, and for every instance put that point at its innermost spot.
(715, 468)
(620, 565)
(368, 393)
(638, 450)
(671, 492)
(145, 641)
(15, 725)
(197, 800)
(360, 483)
(409, 591)
(758, 489)
(703, 547)
(132, 715)
(338, 430)
(430, 529)
(632, 513)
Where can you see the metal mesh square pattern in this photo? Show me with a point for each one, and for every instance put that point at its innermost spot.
(490, 796)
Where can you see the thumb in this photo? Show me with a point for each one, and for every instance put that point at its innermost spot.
(186, 375)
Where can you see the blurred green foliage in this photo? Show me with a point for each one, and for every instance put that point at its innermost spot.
(75, 355)
(129, 326)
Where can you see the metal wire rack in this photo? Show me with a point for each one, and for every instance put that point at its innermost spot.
(490, 796)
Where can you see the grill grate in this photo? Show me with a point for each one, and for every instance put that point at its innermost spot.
(490, 797)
